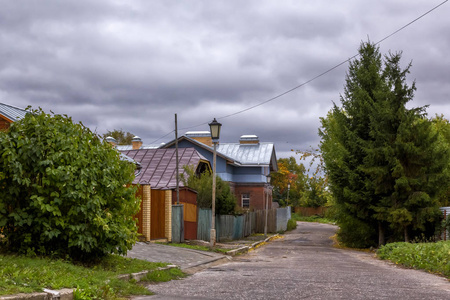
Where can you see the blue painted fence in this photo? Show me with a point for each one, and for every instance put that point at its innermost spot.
(230, 227)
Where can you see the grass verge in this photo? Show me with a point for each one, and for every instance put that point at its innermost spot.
(19, 274)
(196, 247)
(314, 218)
(432, 257)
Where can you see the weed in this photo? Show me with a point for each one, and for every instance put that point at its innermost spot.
(165, 275)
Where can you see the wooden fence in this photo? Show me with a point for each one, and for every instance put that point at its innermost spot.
(230, 227)
(311, 211)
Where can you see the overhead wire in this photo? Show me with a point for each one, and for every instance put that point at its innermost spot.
(315, 77)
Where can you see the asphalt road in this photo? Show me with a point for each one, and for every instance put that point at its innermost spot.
(304, 265)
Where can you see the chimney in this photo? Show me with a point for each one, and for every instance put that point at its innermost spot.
(249, 140)
(203, 137)
(136, 142)
(112, 141)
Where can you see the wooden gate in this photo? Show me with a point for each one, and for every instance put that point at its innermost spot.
(157, 215)
(188, 198)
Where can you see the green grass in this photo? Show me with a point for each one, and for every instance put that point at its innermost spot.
(196, 247)
(314, 218)
(432, 257)
(291, 224)
(20, 274)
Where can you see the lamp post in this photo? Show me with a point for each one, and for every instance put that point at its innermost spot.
(215, 134)
(267, 205)
(289, 187)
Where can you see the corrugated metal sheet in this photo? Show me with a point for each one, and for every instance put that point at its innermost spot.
(248, 154)
(11, 112)
(130, 147)
(158, 166)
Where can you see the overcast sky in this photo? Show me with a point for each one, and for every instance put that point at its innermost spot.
(132, 65)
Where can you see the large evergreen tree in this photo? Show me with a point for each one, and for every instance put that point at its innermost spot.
(385, 162)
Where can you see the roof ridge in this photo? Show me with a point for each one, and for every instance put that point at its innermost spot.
(13, 106)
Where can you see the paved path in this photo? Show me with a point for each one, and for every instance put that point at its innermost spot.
(186, 259)
(304, 265)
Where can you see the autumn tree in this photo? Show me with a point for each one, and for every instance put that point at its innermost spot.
(122, 137)
(385, 162)
(292, 173)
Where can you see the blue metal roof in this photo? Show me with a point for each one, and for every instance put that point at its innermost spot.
(248, 154)
(11, 112)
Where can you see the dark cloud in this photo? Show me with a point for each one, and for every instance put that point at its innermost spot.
(132, 65)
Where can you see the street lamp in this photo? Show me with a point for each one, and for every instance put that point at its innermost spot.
(214, 127)
(267, 205)
(289, 187)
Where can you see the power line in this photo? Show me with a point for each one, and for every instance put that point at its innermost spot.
(317, 76)
(330, 69)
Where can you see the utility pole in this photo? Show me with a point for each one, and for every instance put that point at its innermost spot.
(176, 156)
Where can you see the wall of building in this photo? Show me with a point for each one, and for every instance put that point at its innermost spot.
(221, 164)
(4, 124)
(257, 194)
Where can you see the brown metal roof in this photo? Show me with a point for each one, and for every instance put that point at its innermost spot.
(159, 165)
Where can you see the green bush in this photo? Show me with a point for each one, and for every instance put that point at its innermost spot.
(355, 233)
(63, 191)
(433, 257)
(202, 184)
(291, 224)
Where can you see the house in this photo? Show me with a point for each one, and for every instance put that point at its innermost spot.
(157, 189)
(10, 114)
(245, 165)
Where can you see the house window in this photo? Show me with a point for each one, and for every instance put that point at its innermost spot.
(245, 200)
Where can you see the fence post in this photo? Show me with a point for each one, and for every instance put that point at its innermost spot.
(178, 223)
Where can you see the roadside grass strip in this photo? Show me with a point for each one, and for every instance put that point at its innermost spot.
(196, 247)
(20, 274)
(314, 218)
(432, 257)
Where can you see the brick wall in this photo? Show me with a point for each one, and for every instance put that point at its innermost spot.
(146, 211)
(257, 194)
(168, 215)
(4, 124)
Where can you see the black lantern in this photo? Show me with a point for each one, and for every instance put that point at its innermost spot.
(214, 126)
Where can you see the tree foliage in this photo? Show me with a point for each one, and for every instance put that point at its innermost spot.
(386, 163)
(202, 183)
(122, 137)
(63, 191)
(292, 173)
(316, 193)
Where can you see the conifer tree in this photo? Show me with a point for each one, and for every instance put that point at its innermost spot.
(384, 161)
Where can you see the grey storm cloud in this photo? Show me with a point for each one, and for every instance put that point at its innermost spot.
(132, 65)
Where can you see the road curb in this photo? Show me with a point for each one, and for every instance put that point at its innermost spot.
(206, 264)
(246, 249)
(63, 294)
(139, 275)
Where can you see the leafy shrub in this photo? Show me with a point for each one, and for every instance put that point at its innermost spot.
(291, 224)
(355, 233)
(63, 191)
(202, 183)
(433, 257)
